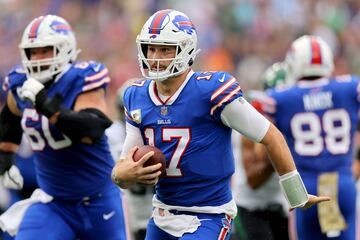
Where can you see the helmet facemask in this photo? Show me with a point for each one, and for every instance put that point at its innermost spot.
(178, 64)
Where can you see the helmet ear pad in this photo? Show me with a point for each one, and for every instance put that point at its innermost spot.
(48, 31)
(173, 28)
(309, 57)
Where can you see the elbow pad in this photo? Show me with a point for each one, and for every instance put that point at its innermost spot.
(88, 122)
(10, 126)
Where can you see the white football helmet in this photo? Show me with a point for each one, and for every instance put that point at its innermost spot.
(172, 28)
(48, 31)
(309, 56)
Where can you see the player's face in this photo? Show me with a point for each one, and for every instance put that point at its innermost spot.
(40, 54)
(159, 52)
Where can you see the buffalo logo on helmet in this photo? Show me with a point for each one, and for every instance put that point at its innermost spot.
(184, 24)
(60, 27)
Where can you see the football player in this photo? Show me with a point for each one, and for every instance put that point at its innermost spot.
(319, 117)
(60, 106)
(189, 116)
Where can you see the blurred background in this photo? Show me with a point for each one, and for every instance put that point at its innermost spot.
(239, 36)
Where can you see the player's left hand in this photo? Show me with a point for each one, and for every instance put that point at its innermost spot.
(30, 89)
(313, 199)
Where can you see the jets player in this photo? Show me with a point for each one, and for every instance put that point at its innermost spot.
(318, 117)
(60, 106)
(189, 116)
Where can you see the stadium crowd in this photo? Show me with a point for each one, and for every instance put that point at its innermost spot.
(242, 37)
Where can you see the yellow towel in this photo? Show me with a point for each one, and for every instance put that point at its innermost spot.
(331, 220)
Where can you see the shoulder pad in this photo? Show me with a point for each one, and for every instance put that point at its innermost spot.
(94, 75)
(224, 86)
(139, 82)
(139, 86)
(15, 78)
(220, 87)
(344, 78)
(18, 69)
(88, 67)
(213, 77)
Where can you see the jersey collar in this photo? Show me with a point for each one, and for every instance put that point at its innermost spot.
(154, 96)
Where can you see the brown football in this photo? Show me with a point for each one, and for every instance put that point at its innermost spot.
(158, 157)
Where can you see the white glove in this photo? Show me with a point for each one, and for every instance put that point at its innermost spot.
(30, 89)
(12, 178)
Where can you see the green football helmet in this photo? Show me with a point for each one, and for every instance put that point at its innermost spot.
(275, 75)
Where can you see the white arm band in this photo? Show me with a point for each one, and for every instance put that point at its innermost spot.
(133, 138)
(244, 118)
(294, 189)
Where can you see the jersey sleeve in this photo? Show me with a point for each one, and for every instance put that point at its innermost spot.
(225, 89)
(133, 112)
(353, 84)
(15, 78)
(13, 81)
(95, 76)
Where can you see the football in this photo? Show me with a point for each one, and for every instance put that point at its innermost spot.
(158, 157)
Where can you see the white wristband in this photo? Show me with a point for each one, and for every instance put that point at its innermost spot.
(294, 189)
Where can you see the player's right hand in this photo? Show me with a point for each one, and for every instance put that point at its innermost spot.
(127, 172)
(30, 89)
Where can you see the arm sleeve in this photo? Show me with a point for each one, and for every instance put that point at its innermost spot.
(242, 117)
(133, 138)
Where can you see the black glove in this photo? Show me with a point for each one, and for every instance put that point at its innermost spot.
(48, 106)
(7, 159)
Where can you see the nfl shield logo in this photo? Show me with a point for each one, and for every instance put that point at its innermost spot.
(164, 110)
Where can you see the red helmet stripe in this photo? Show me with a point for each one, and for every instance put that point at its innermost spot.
(315, 52)
(157, 21)
(34, 27)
